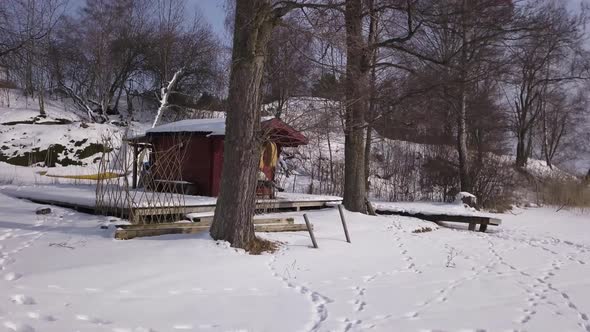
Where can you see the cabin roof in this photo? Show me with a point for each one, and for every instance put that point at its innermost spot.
(277, 131)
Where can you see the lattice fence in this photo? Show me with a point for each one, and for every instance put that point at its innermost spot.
(160, 194)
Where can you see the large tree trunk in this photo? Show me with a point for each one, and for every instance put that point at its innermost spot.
(521, 157)
(42, 103)
(356, 83)
(237, 197)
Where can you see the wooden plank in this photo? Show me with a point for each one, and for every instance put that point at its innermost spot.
(281, 228)
(207, 220)
(495, 221)
(447, 218)
(262, 221)
(277, 205)
(126, 232)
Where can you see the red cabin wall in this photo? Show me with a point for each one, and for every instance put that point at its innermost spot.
(197, 163)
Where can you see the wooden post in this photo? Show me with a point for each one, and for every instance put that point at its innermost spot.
(315, 245)
(472, 226)
(135, 153)
(341, 210)
(483, 226)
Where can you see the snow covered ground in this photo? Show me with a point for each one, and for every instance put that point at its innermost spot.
(61, 272)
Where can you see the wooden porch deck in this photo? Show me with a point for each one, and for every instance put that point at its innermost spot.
(83, 198)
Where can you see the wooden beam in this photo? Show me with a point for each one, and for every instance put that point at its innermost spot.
(126, 232)
(281, 228)
(135, 156)
(206, 220)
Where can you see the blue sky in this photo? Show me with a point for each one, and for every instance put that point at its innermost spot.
(213, 12)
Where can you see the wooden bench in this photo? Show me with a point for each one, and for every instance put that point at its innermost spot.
(482, 221)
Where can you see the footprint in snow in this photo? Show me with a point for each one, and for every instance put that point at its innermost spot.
(411, 315)
(38, 316)
(183, 327)
(5, 236)
(94, 320)
(18, 327)
(22, 299)
(207, 326)
(12, 276)
(93, 290)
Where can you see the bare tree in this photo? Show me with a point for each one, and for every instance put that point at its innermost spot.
(560, 117)
(23, 22)
(547, 54)
(288, 66)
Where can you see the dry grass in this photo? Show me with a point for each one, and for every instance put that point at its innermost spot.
(566, 194)
(422, 230)
(259, 245)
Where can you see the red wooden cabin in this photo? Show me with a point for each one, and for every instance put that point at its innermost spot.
(200, 143)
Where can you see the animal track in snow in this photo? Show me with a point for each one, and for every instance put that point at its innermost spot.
(22, 299)
(350, 324)
(358, 305)
(359, 290)
(318, 301)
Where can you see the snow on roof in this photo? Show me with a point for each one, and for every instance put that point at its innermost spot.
(211, 126)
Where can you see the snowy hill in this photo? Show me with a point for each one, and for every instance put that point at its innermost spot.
(61, 138)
